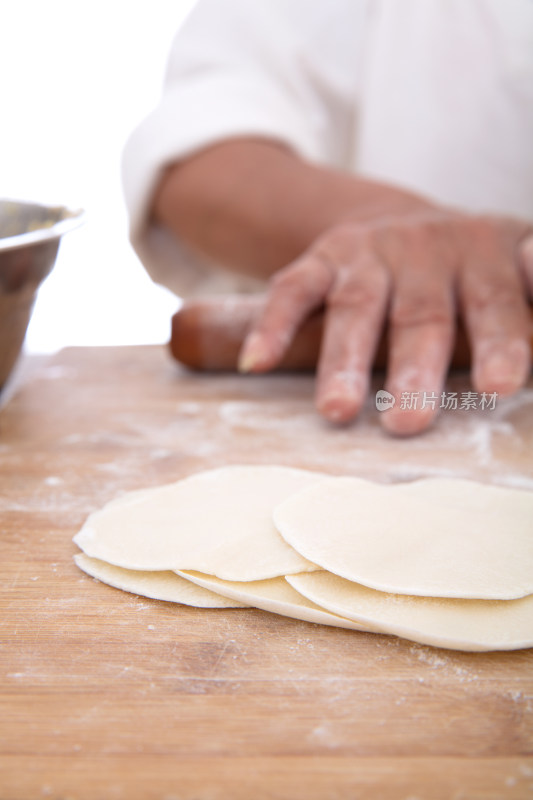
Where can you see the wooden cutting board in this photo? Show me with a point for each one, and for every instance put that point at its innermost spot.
(108, 695)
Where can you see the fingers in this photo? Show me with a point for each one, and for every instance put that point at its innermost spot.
(293, 294)
(206, 332)
(421, 342)
(525, 260)
(354, 318)
(417, 273)
(496, 314)
(421, 322)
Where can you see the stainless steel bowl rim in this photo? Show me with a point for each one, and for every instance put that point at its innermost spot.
(73, 219)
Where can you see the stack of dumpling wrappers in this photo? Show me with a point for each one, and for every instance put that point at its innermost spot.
(443, 562)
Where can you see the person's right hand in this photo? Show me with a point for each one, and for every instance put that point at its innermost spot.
(370, 254)
(416, 272)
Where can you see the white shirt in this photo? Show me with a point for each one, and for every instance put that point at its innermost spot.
(435, 96)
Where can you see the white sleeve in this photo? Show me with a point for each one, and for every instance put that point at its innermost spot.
(280, 69)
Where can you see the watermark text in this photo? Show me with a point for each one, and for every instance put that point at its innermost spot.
(450, 401)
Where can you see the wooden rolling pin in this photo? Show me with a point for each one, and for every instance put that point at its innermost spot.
(208, 333)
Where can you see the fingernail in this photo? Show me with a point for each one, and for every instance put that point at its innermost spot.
(407, 423)
(335, 410)
(340, 404)
(502, 375)
(506, 370)
(527, 248)
(252, 353)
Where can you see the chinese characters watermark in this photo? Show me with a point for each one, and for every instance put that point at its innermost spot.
(450, 401)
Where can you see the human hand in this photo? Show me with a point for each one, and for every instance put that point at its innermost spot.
(418, 273)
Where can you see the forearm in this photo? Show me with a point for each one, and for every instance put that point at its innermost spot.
(253, 206)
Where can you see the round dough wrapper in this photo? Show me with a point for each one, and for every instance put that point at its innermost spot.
(218, 522)
(156, 585)
(274, 595)
(434, 537)
(476, 625)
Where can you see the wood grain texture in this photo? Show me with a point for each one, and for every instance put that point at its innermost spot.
(107, 695)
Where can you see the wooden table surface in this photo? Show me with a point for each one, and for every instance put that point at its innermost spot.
(108, 695)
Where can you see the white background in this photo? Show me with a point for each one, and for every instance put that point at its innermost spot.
(76, 77)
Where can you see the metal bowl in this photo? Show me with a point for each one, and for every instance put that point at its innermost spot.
(29, 240)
